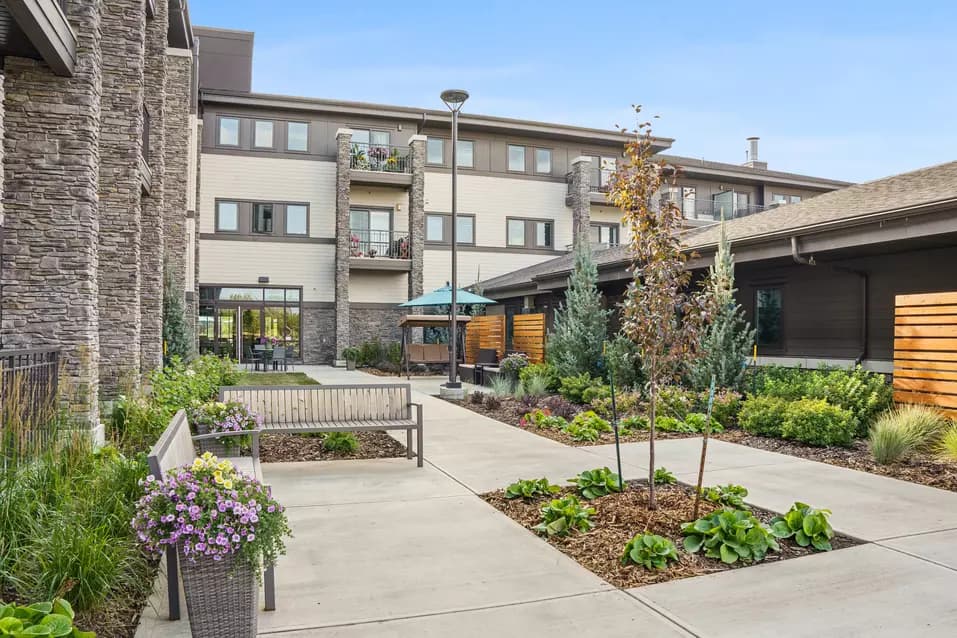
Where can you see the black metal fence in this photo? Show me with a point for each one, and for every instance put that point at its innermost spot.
(29, 386)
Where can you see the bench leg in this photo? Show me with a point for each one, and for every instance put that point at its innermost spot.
(172, 582)
(269, 584)
(408, 444)
(418, 443)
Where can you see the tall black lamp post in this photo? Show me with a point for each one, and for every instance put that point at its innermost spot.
(454, 99)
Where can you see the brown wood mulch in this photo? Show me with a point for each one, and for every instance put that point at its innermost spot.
(921, 468)
(376, 372)
(619, 517)
(278, 448)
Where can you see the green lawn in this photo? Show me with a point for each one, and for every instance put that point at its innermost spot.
(275, 378)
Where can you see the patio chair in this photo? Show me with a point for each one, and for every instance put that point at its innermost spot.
(255, 357)
(279, 358)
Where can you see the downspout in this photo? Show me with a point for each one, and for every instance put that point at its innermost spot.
(809, 261)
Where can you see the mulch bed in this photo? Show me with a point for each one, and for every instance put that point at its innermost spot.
(278, 448)
(620, 516)
(412, 373)
(921, 469)
(511, 411)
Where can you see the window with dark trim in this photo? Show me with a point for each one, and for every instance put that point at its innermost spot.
(228, 133)
(465, 149)
(227, 217)
(263, 134)
(262, 218)
(543, 160)
(435, 150)
(516, 158)
(297, 136)
(438, 229)
(529, 233)
(297, 219)
(768, 318)
(605, 234)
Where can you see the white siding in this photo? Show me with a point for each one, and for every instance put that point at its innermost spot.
(190, 253)
(191, 162)
(492, 199)
(378, 197)
(311, 266)
(610, 214)
(473, 266)
(378, 286)
(266, 178)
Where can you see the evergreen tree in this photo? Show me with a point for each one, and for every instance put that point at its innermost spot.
(581, 325)
(729, 338)
(177, 336)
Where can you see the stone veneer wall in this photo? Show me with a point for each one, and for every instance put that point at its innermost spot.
(343, 238)
(417, 215)
(51, 166)
(152, 253)
(579, 199)
(194, 304)
(371, 321)
(318, 333)
(121, 130)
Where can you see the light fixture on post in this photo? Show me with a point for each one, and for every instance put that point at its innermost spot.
(454, 99)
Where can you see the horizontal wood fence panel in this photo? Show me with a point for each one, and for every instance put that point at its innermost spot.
(926, 299)
(528, 336)
(908, 373)
(925, 385)
(917, 358)
(938, 400)
(918, 343)
(487, 332)
(926, 320)
(925, 331)
(907, 311)
(925, 350)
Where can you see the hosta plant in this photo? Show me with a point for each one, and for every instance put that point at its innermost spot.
(631, 424)
(808, 526)
(53, 619)
(543, 419)
(530, 488)
(671, 424)
(598, 482)
(562, 515)
(698, 422)
(729, 495)
(650, 551)
(587, 426)
(663, 476)
(731, 536)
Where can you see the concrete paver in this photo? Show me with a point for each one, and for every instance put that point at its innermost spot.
(938, 547)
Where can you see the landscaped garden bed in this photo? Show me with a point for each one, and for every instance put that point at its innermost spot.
(619, 517)
(277, 448)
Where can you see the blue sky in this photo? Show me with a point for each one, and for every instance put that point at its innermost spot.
(852, 91)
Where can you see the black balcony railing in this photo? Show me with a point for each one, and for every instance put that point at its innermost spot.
(381, 158)
(29, 383)
(390, 244)
(600, 180)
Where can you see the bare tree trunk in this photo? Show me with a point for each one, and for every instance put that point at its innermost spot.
(652, 496)
(704, 450)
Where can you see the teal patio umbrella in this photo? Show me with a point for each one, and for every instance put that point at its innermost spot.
(443, 297)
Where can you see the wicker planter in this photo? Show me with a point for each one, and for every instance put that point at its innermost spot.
(222, 597)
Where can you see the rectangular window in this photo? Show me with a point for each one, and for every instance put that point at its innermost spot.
(465, 230)
(371, 232)
(465, 150)
(779, 199)
(516, 158)
(227, 217)
(435, 228)
(543, 234)
(543, 160)
(688, 197)
(604, 234)
(768, 317)
(795, 199)
(262, 218)
(516, 232)
(297, 136)
(602, 168)
(435, 149)
(297, 219)
(229, 131)
(262, 134)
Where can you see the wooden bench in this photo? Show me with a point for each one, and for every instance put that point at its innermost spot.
(297, 409)
(175, 449)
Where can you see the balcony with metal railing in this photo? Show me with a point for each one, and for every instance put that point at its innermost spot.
(379, 249)
(706, 210)
(381, 164)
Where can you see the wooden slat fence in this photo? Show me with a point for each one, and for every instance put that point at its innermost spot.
(528, 336)
(925, 350)
(484, 332)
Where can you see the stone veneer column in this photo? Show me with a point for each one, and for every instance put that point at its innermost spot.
(121, 142)
(417, 214)
(51, 162)
(579, 199)
(343, 241)
(153, 249)
(176, 137)
(196, 212)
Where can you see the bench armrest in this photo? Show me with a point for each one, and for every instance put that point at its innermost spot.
(216, 435)
(418, 410)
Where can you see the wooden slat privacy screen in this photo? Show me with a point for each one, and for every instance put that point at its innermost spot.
(528, 336)
(484, 332)
(925, 350)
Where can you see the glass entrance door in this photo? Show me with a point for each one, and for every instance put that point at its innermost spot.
(251, 330)
(226, 333)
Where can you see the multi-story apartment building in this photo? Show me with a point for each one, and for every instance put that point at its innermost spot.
(98, 180)
(321, 216)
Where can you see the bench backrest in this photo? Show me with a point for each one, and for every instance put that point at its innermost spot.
(324, 403)
(487, 356)
(174, 447)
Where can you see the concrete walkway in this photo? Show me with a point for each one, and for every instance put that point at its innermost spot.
(383, 548)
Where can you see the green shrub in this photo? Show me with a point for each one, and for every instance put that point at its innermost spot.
(637, 423)
(179, 385)
(663, 476)
(530, 488)
(596, 392)
(544, 371)
(729, 495)
(625, 402)
(621, 360)
(587, 426)
(727, 404)
(371, 353)
(677, 402)
(698, 422)
(40, 619)
(763, 415)
(573, 388)
(730, 535)
(947, 448)
(501, 386)
(543, 419)
(562, 515)
(535, 386)
(671, 424)
(136, 422)
(899, 433)
(340, 442)
(807, 525)
(351, 354)
(650, 551)
(598, 482)
(394, 353)
(817, 422)
(511, 366)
